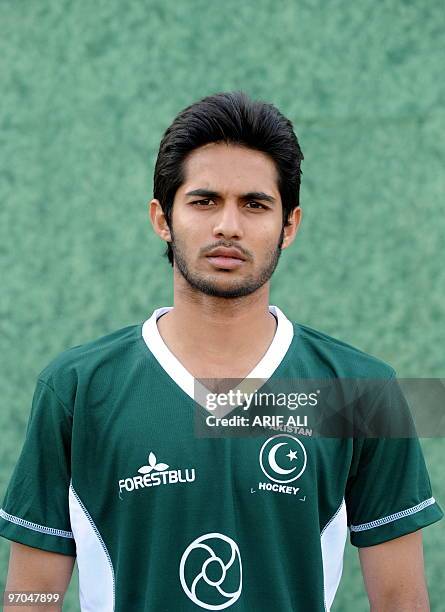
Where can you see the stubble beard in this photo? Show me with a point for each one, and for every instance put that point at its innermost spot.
(240, 288)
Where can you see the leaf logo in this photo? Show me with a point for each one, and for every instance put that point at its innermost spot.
(152, 465)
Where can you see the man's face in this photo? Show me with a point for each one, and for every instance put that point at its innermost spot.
(236, 204)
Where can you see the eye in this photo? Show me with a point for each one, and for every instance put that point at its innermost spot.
(257, 204)
(204, 203)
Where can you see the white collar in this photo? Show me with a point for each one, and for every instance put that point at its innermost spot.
(184, 379)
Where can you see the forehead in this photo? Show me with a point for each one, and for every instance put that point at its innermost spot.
(227, 167)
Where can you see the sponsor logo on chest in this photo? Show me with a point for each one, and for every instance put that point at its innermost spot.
(155, 474)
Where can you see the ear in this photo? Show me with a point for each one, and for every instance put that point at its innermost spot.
(290, 230)
(158, 220)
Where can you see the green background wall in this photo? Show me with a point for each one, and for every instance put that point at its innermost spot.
(87, 90)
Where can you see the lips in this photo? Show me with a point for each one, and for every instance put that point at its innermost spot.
(225, 258)
(229, 253)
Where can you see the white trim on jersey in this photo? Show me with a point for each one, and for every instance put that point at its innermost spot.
(34, 526)
(393, 517)
(182, 377)
(96, 573)
(333, 540)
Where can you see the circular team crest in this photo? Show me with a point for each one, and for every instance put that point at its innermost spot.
(283, 458)
(210, 571)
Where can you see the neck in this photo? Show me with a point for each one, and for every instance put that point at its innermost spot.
(218, 330)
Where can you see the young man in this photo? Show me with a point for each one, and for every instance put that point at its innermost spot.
(162, 519)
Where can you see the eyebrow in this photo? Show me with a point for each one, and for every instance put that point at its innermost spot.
(251, 195)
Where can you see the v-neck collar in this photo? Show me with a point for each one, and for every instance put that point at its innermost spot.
(185, 380)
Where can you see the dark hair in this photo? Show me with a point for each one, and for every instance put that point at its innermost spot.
(234, 118)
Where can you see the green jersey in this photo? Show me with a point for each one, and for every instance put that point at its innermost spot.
(163, 520)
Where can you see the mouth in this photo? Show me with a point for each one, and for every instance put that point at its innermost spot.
(225, 263)
(226, 258)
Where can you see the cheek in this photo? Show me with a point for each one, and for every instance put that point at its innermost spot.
(188, 237)
(184, 223)
(195, 230)
(268, 238)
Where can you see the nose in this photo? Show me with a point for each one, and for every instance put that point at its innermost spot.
(228, 222)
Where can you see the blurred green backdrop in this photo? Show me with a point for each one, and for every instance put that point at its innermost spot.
(87, 91)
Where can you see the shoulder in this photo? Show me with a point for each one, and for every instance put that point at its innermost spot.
(78, 364)
(341, 358)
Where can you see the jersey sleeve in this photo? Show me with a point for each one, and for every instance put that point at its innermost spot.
(388, 493)
(35, 511)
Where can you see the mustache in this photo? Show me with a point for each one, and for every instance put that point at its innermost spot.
(228, 245)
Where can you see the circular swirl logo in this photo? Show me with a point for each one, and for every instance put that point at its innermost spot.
(210, 571)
